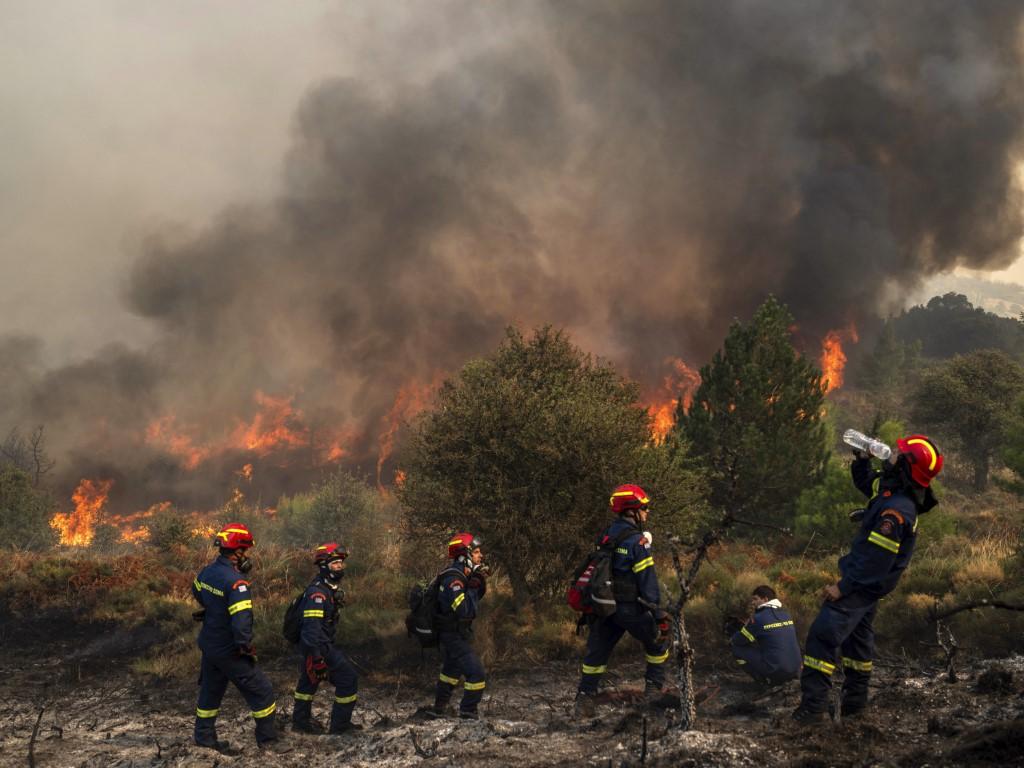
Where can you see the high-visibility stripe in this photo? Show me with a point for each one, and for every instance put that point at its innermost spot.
(259, 714)
(875, 485)
(303, 696)
(746, 633)
(346, 699)
(818, 664)
(458, 600)
(450, 680)
(860, 666)
(588, 670)
(454, 541)
(203, 585)
(741, 661)
(884, 542)
(241, 605)
(647, 562)
(206, 712)
(916, 521)
(778, 624)
(474, 686)
(313, 613)
(660, 659)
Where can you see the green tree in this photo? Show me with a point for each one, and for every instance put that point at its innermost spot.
(969, 399)
(756, 419)
(523, 448)
(25, 511)
(1012, 452)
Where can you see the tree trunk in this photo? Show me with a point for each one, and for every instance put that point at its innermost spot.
(981, 461)
(520, 589)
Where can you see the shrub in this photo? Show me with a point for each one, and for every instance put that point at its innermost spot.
(25, 511)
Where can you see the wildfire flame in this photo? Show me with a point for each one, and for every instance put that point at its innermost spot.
(77, 528)
(833, 358)
(678, 384)
(245, 472)
(412, 398)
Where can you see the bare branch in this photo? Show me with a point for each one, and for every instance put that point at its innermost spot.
(934, 615)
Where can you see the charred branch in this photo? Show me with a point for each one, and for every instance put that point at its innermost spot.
(934, 615)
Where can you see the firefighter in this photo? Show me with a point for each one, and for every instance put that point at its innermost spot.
(766, 646)
(225, 640)
(880, 552)
(321, 660)
(637, 599)
(462, 584)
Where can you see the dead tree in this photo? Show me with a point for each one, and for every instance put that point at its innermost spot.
(27, 453)
(944, 635)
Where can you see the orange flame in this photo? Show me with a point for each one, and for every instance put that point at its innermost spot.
(412, 398)
(677, 385)
(245, 472)
(77, 528)
(276, 425)
(164, 434)
(833, 358)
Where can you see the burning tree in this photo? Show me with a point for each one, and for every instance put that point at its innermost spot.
(523, 448)
(756, 420)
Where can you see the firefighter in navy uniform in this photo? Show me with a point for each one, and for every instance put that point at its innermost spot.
(880, 552)
(637, 599)
(766, 646)
(226, 642)
(321, 660)
(462, 584)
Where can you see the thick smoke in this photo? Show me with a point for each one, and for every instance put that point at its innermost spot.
(640, 174)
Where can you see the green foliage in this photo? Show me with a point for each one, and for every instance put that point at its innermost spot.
(969, 399)
(169, 529)
(950, 325)
(756, 420)
(822, 511)
(25, 511)
(524, 447)
(1012, 451)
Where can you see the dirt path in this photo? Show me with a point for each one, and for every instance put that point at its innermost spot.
(98, 715)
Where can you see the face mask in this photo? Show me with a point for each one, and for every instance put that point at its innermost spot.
(243, 563)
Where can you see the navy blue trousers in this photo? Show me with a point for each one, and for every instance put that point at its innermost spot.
(605, 633)
(841, 634)
(459, 659)
(215, 672)
(342, 675)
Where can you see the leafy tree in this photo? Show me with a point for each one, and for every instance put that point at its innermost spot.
(523, 448)
(950, 325)
(1012, 452)
(969, 399)
(25, 511)
(756, 419)
(169, 530)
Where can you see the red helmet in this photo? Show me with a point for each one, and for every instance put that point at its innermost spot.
(462, 544)
(325, 553)
(627, 497)
(234, 536)
(923, 457)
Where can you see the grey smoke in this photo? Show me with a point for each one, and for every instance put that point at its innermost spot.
(638, 173)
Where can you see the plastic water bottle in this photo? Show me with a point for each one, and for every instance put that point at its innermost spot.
(862, 442)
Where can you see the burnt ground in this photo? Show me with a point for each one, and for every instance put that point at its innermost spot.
(87, 709)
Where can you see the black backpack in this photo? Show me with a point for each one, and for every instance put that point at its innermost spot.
(422, 619)
(293, 619)
(592, 590)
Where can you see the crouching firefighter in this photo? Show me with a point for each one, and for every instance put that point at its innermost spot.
(320, 658)
(637, 596)
(461, 586)
(766, 646)
(880, 552)
(226, 641)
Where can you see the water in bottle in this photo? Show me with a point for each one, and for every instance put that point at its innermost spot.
(862, 442)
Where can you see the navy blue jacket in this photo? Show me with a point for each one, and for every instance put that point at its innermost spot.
(632, 561)
(457, 602)
(768, 643)
(884, 543)
(319, 620)
(227, 599)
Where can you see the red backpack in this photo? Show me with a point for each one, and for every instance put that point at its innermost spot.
(592, 590)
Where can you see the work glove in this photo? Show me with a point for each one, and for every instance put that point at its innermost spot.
(732, 625)
(478, 581)
(199, 615)
(316, 669)
(664, 624)
(247, 652)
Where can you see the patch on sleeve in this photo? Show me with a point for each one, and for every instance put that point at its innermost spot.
(318, 599)
(886, 527)
(456, 586)
(243, 588)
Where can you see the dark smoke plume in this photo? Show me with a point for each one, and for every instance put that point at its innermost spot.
(639, 173)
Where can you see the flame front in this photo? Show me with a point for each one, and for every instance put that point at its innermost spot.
(412, 398)
(833, 358)
(77, 528)
(677, 385)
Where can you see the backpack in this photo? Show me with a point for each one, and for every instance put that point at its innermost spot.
(421, 621)
(293, 619)
(592, 590)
